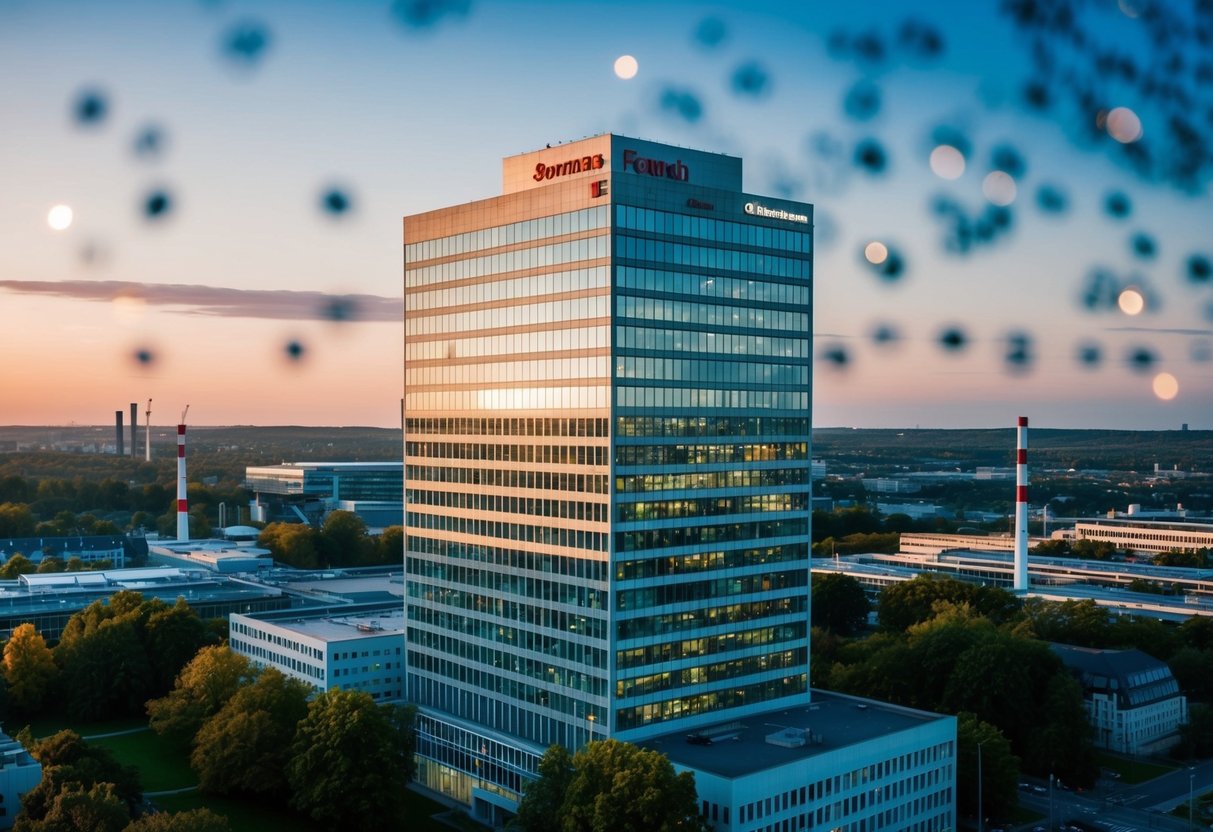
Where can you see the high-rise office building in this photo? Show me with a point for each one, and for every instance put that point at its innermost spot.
(607, 445)
(607, 458)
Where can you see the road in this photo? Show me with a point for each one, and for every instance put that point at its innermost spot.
(1126, 808)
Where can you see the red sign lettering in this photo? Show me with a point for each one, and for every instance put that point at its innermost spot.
(585, 163)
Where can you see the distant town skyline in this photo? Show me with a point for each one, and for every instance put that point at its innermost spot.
(237, 175)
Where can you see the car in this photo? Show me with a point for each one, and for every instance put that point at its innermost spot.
(1025, 787)
(1040, 790)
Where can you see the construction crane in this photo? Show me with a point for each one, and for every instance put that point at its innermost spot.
(147, 433)
(187, 410)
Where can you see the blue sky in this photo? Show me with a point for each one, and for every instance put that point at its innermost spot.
(402, 116)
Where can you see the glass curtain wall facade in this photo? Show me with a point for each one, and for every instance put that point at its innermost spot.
(607, 415)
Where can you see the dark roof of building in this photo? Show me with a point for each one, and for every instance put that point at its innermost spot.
(735, 748)
(1133, 677)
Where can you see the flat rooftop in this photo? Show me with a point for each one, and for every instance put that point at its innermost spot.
(740, 747)
(344, 627)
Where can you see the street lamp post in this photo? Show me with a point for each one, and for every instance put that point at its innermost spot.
(981, 815)
(1051, 800)
(1191, 779)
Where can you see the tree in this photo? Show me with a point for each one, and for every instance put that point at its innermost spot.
(246, 745)
(17, 564)
(911, 602)
(69, 762)
(29, 669)
(999, 769)
(292, 543)
(49, 564)
(351, 760)
(195, 820)
(106, 672)
(77, 808)
(839, 604)
(173, 637)
(391, 545)
(540, 809)
(203, 687)
(344, 541)
(16, 520)
(613, 786)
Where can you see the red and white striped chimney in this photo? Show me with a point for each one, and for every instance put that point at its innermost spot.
(183, 509)
(1021, 505)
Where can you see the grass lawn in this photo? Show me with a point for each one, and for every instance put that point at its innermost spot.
(250, 816)
(161, 764)
(46, 726)
(1131, 771)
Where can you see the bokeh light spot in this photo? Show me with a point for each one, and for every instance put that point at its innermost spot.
(953, 339)
(1142, 245)
(876, 252)
(751, 79)
(90, 108)
(336, 201)
(1117, 205)
(339, 310)
(425, 14)
(1090, 355)
(1199, 268)
(149, 142)
(1019, 354)
(947, 162)
(59, 218)
(999, 187)
(1131, 301)
(862, 102)
(682, 103)
(626, 67)
(144, 356)
(870, 156)
(710, 32)
(157, 204)
(1140, 359)
(245, 43)
(1166, 386)
(835, 356)
(294, 350)
(885, 335)
(1051, 199)
(1009, 160)
(1123, 125)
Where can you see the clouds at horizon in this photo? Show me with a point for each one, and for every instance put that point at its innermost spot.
(222, 301)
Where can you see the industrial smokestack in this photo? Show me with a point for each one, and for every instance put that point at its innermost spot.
(118, 449)
(134, 429)
(1021, 505)
(183, 509)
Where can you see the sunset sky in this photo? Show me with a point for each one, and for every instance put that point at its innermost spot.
(196, 143)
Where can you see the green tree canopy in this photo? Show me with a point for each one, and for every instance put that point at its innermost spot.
(613, 786)
(173, 636)
(244, 748)
(351, 760)
(840, 604)
(911, 602)
(295, 544)
(69, 763)
(17, 564)
(194, 820)
(16, 520)
(203, 686)
(77, 808)
(999, 769)
(29, 669)
(344, 541)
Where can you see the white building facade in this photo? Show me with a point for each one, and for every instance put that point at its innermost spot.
(362, 652)
(19, 772)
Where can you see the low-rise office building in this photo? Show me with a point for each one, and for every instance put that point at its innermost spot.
(839, 762)
(1146, 535)
(359, 648)
(19, 772)
(1132, 700)
(115, 550)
